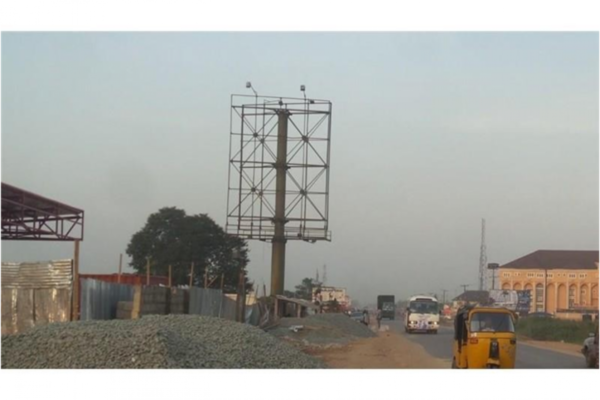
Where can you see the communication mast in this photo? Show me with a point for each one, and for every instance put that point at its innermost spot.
(275, 141)
(482, 259)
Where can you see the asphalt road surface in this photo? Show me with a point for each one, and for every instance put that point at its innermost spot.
(440, 346)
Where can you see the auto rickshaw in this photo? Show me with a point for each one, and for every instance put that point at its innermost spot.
(484, 337)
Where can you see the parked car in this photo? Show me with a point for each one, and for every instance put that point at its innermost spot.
(590, 350)
(359, 316)
(540, 315)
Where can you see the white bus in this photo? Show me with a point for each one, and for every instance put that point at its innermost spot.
(422, 315)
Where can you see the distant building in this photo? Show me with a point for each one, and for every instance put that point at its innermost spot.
(560, 281)
(325, 294)
(475, 297)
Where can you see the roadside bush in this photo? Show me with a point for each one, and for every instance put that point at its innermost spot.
(555, 329)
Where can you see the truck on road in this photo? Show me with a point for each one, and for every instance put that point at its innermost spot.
(422, 314)
(387, 305)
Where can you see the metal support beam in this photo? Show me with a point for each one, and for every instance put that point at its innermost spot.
(279, 240)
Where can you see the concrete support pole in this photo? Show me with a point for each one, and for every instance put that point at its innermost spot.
(75, 304)
(241, 297)
(278, 255)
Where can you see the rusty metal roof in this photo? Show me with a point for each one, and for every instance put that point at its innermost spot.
(29, 216)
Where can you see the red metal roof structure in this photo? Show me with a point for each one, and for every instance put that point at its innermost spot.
(128, 279)
(29, 216)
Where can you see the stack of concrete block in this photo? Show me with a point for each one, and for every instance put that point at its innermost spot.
(179, 301)
(155, 300)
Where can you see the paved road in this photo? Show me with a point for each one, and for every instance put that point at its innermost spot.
(440, 346)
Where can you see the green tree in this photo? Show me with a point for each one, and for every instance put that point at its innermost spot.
(305, 289)
(170, 237)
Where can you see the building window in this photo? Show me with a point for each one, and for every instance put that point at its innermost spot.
(550, 275)
(539, 297)
(540, 275)
(506, 275)
(583, 296)
(571, 296)
(530, 274)
(582, 276)
(572, 276)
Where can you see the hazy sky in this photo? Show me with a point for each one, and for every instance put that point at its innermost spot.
(430, 133)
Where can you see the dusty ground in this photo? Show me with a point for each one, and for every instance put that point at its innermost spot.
(566, 348)
(388, 350)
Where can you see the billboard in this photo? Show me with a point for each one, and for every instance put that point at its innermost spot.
(505, 298)
(524, 301)
(326, 294)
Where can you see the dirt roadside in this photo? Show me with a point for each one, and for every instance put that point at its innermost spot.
(388, 350)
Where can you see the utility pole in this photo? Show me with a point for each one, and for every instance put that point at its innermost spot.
(192, 274)
(147, 271)
(120, 263)
(465, 286)
(444, 295)
(482, 258)
(493, 267)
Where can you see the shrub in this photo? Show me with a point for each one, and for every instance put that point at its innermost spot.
(555, 329)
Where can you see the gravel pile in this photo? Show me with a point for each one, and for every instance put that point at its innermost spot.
(170, 341)
(321, 330)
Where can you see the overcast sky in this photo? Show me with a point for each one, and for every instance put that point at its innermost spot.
(430, 133)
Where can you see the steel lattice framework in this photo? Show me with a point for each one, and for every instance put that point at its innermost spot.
(29, 216)
(253, 164)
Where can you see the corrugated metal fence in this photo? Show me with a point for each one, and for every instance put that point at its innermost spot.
(212, 302)
(35, 293)
(99, 299)
(207, 302)
(41, 292)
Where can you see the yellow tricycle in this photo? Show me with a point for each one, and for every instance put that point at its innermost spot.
(484, 337)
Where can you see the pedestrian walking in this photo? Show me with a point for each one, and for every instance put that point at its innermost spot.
(378, 318)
